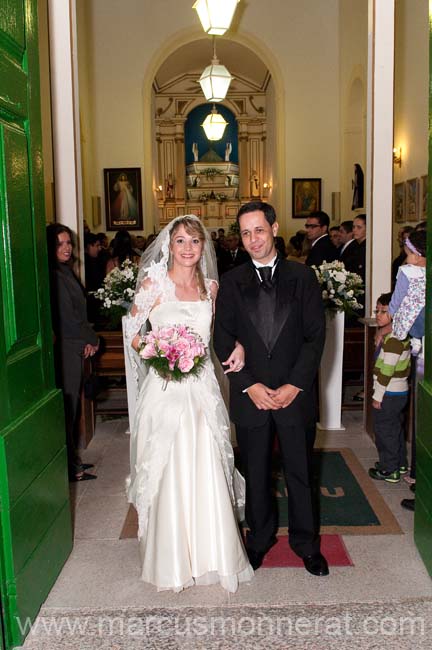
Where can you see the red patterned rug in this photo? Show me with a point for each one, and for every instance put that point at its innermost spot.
(332, 547)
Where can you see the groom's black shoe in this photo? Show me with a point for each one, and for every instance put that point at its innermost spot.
(256, 557)
(316, 564)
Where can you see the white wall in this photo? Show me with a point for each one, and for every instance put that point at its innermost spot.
(45, 94)
(411, 92)
(302, 37)
(353, 89)
(271, 145)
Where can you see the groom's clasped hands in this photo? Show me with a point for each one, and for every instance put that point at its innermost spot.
(267, 399)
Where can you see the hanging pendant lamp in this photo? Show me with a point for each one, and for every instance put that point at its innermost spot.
(215, 79)
(214, 125)
(215, 15)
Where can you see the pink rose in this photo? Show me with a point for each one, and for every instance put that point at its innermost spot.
(166, 333)
(182, 345)
(185, 364)
(197, 350)
(148, 351)
(164, 347)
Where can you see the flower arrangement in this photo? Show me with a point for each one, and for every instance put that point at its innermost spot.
(221, 197)
(117, 292)
(209, 172)
(340, 288)
(174, 352)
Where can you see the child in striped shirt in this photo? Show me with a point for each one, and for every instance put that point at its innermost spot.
(389, 399)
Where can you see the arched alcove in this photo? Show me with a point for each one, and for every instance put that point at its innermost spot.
(178, 101)
(353, 142)
(162, 101)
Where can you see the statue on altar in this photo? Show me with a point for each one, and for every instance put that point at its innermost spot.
(255, 185)
(228, 150)
(195, 151)
(170, 187)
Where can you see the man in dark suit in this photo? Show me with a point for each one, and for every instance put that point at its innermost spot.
(273, 307)
(322, 250)
(346, 253)
(232, 255)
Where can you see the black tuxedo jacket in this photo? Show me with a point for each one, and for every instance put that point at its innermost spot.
(348, 255)
(323, 251)
(358, 259)
(298, 336)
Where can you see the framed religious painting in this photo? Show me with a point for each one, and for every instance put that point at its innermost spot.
(423, 198)
(123, 201)
(412, 199)
(306, 197)
(399, 202)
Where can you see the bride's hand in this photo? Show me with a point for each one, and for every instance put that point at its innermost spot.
(236, 359)
(136, 342)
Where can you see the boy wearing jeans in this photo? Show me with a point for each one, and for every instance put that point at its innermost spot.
(390, 396)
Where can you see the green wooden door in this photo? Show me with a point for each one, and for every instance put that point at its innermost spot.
(2, 637)
(35, 526)
(423, 509)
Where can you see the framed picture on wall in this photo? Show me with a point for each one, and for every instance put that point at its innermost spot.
(306, 197)
(399, 202)
(123, 201)
(423, 198)
(412, 199)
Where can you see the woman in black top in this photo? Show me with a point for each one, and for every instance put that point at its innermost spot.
(75, 338)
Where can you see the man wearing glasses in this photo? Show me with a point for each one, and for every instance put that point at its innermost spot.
(322, 250)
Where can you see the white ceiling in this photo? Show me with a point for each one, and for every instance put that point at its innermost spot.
(194, 57)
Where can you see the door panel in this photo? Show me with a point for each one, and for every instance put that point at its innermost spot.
(35, 522)
(423, 497)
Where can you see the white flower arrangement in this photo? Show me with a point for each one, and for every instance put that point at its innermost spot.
(209, 172)
(340, 288)
(118, 290)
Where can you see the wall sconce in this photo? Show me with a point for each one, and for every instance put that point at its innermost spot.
(159, 188)
(266, 188)
(397, 156)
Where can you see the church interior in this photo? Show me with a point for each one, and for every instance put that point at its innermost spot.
(318, 90)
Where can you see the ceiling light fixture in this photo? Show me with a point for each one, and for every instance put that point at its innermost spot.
(215, 15)
(214, 125)
(215, 79)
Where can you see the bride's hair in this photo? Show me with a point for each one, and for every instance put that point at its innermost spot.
(193, 227)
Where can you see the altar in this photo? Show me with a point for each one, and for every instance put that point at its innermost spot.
(211, 192)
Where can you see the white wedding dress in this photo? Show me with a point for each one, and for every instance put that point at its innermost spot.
(183, 483)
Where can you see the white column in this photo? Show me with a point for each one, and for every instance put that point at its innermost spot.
(65, 117)
(379, 148)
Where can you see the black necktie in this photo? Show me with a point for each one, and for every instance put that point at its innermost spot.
(265, 273)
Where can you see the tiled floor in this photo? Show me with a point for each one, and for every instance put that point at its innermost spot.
(103, 571)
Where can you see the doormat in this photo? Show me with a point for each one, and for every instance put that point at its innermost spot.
(346, 498)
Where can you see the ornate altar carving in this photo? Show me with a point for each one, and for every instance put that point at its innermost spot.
(211, 187)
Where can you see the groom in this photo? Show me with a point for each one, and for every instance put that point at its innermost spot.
(273, 307)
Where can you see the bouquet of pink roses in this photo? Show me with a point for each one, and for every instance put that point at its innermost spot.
(174, 352)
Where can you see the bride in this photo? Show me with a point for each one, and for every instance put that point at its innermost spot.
(183, 483)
